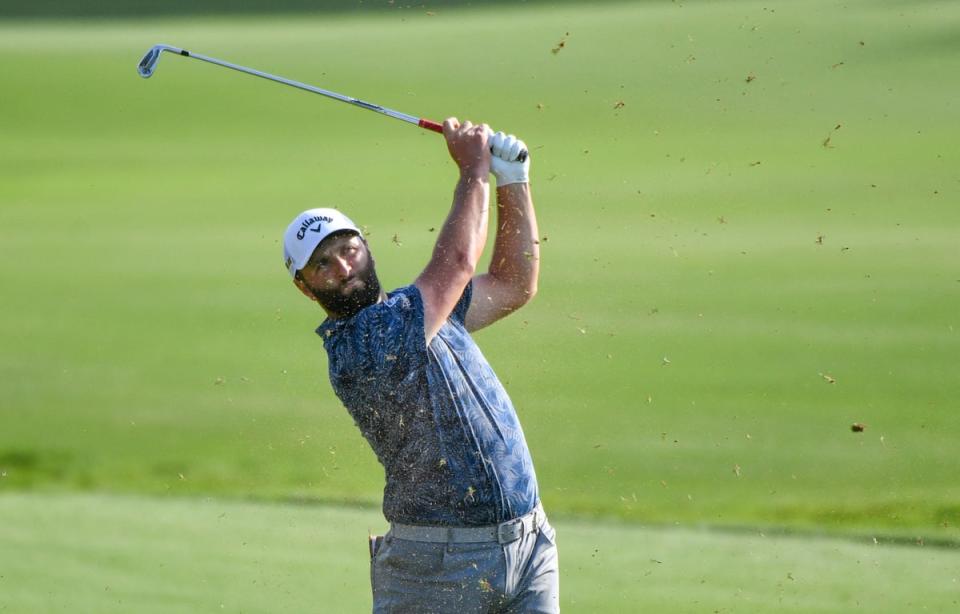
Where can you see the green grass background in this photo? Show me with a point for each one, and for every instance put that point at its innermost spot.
(711, 262)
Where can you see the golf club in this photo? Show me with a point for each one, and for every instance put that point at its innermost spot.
(148, 66)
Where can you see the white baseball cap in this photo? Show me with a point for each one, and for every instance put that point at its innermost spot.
(307, 230)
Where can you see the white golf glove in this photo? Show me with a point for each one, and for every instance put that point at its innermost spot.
(505, 148)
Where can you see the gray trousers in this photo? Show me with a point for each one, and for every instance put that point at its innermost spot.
(463, 578)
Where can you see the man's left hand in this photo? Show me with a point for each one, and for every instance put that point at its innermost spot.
(505, 149)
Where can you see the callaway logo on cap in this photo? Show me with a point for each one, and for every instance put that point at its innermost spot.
(307, 230)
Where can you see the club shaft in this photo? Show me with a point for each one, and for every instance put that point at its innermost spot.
(423, 123)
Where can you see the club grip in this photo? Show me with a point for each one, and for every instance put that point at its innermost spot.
(431, 125)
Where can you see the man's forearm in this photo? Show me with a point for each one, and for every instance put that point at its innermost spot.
(516, 251)
(464, 233)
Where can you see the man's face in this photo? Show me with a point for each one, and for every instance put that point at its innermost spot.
(341, 276)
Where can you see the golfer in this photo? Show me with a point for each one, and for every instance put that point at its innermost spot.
(467, 530)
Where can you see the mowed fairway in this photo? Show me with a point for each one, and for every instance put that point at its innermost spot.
(96, 553)
(750, 242)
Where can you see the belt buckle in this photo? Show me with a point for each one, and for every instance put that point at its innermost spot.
(509, 531)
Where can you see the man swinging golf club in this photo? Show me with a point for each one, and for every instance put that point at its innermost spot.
(467, 531)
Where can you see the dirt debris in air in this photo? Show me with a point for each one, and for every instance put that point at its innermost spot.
(561, 44)
(826, 142)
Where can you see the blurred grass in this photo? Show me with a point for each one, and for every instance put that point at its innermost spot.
(59, 9)
(710, 261)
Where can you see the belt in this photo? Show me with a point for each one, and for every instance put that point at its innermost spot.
(502, 533)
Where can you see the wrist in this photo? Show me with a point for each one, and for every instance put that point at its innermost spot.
(512, 191)
(473, 175)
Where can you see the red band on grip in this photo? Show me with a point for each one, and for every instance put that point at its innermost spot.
(429, 125)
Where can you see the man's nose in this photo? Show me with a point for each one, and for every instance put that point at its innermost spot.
(343, 267)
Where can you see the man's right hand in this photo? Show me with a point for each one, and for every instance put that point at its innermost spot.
(468, 147)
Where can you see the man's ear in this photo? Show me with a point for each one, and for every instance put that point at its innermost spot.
(369, 253)
(299, 283)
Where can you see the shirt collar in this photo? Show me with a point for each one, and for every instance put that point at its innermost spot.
(330, 326)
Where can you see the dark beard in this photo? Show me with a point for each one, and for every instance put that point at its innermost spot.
(347, 305)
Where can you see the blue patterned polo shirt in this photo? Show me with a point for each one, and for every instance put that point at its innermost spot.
(436, 416)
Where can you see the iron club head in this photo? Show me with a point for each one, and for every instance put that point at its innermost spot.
(149, 62)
